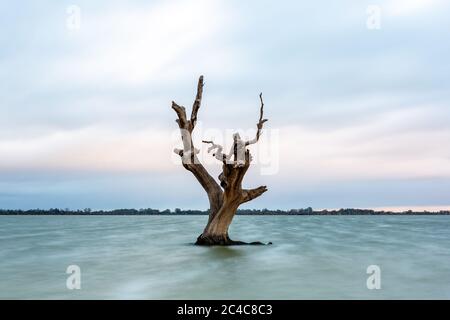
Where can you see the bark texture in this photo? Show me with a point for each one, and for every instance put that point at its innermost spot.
(224, 199)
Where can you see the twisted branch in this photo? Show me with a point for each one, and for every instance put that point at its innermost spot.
(260, 123)
(218, 154)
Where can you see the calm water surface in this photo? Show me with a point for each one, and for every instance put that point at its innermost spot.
(152, 257)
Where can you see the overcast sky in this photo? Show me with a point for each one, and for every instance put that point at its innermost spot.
(358, 117)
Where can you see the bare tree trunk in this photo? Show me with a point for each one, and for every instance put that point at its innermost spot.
(223, 204)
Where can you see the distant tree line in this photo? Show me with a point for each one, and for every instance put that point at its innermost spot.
(248, 212)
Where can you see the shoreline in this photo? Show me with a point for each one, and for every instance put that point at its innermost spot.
(242, 212)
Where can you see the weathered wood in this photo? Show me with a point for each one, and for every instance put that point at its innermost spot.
(197, 102)
(223, 203)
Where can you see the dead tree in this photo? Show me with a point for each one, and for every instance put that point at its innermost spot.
(224, 199)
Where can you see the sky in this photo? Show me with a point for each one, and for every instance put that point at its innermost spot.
(356, 93)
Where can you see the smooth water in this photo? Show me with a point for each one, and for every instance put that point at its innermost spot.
(152, 257)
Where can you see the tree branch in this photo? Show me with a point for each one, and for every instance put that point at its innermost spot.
(181, 113)
(260, 123)
(213, 145)
(197, 102)
(218, 154)
(250, 194)
(189, 152)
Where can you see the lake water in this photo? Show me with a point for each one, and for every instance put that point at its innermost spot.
(152, 257)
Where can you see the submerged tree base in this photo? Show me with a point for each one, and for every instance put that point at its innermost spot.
(225, 241)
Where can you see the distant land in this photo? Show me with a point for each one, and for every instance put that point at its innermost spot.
(247, 212)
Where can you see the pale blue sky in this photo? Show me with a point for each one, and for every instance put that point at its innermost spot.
(362, 115)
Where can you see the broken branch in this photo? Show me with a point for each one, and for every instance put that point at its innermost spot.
(250, 194)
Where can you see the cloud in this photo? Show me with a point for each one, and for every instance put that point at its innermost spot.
(397, 145)
(411, 7)
(91, 149)
(144, 44)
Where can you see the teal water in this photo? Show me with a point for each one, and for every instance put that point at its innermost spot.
(152, 257)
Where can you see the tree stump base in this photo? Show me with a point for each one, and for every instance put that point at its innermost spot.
(225, 241)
